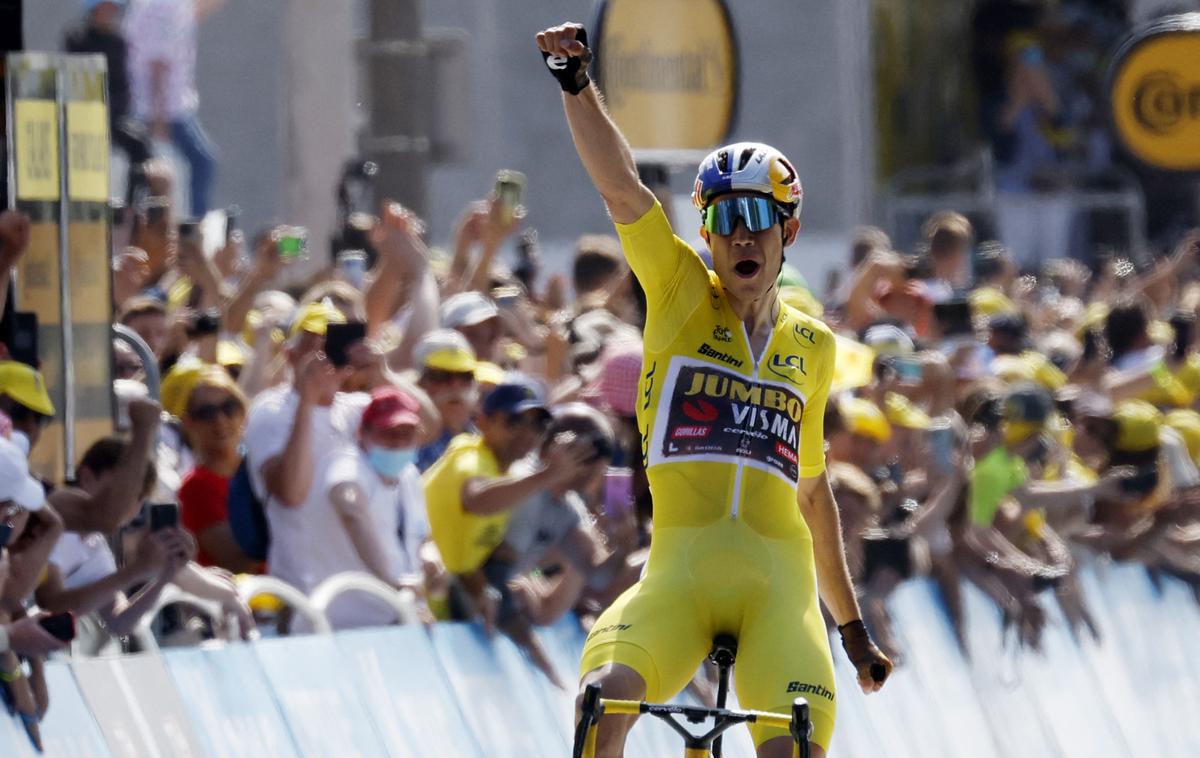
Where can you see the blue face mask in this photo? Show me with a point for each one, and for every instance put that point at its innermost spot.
(390, 462)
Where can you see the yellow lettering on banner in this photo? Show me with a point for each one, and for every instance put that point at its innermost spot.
(35, 125)
(87, 151)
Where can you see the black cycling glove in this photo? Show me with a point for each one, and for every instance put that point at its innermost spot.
(570, 70)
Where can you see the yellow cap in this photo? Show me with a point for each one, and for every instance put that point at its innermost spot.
(177, 385)
(230, 353)
(1094, 316)
(864, 417)
(989, 301)
(488, 373)
(1138, 423)
(26, 386)
(1187, 423)
(901, 412)
(315, 318)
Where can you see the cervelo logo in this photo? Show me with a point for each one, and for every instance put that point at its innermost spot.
(557, 62)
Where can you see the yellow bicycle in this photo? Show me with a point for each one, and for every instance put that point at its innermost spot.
(724, 650)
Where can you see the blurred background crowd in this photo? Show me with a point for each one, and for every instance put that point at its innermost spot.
(1015, 393)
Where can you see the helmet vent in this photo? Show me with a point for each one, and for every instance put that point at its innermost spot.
(723, 161)
(747, 154)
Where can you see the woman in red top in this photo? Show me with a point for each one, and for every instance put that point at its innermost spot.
(213, 421)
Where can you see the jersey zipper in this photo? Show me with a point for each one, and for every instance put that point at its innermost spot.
(754, 361)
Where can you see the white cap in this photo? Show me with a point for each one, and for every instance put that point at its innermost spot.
(15, 482)
(467, 309)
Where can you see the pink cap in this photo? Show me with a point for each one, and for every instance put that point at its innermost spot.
(391, 407)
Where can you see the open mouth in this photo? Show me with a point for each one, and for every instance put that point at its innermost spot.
(746, 269)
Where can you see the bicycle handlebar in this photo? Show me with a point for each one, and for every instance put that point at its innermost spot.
(635, 707)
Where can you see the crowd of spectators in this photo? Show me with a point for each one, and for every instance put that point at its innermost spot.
(467, 433)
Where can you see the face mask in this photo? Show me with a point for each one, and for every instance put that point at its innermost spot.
(21, 440)
(390, 462)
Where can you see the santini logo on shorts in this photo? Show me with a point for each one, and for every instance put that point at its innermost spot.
(803, 688)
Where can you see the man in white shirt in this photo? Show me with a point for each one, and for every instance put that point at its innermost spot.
(162, 72)
(375, 495)
(289, 430)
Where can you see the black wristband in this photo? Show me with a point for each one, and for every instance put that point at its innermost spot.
(855, 639)
(570, 70)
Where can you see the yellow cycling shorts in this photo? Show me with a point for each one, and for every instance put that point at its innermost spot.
(724, 578)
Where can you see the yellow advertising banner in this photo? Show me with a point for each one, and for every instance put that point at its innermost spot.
(669, 71)
(87, 151)
(1155, 94)
(35, 134)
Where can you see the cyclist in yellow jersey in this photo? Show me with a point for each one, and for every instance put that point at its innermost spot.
(733, 392)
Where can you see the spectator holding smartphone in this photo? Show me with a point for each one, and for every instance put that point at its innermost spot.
(283, 431)
(471, 494)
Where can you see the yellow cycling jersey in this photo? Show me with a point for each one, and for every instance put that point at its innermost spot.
(726, 437)
(725, 433)
(464, 539)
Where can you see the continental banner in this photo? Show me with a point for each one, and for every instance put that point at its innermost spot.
(1154, 90)
(36, 138)
(669, 71)
(717, 415)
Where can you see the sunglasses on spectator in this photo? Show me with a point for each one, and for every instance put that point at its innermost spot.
(208, 412)
(438, 376)
(757, 213)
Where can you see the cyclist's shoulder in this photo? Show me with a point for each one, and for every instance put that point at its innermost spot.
(807, 332)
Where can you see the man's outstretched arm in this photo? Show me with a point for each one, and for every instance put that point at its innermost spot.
(602, 148)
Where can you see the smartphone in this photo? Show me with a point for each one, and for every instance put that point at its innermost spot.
(954, 318)
(339, 338)
(510, 192)
(941, 445)
(1143, 482)
(6, 528)
(163, 516)
(60, 625)
(233, 216)
(21, 336)
(908, 369)
(618, 492)
(1183, 325)
(155, 209)
(206, 324)
(189, 229)
(293, 245)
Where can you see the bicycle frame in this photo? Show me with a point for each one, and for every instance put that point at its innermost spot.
(595, 707)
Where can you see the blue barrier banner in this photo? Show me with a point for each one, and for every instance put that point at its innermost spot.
(406, 692)
(68, 728)
(319, 697)
(229, 701)
(137, 707)
(510, 718)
